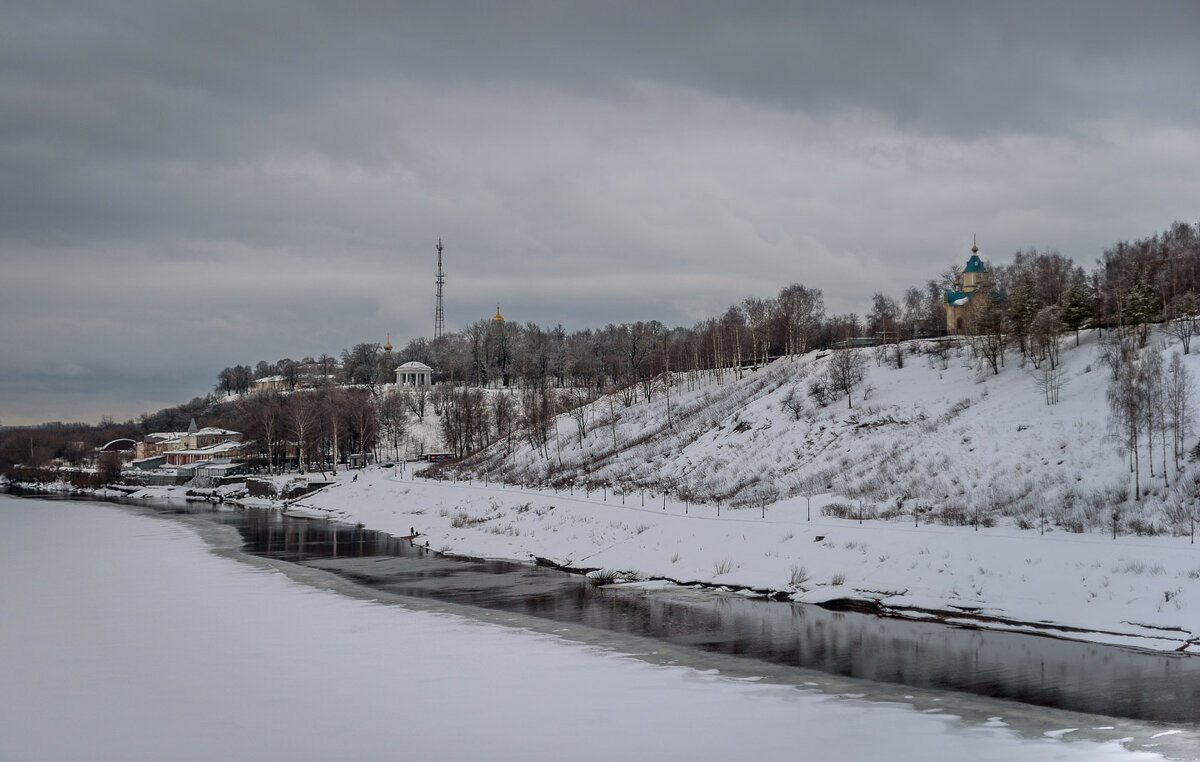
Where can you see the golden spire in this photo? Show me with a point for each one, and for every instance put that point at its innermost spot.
(974, 247)
(499, 318)
(387, 347)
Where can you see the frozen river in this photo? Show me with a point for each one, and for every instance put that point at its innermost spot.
(125, 636)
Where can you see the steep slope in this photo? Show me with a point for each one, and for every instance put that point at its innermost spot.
(933, 440)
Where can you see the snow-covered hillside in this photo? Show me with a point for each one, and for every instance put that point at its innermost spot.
(958, 444)
(933, 440)
(947, 492)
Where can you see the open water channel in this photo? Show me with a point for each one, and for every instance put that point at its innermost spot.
(1031, 669)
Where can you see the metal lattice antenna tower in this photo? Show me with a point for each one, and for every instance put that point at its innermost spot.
(439, 315)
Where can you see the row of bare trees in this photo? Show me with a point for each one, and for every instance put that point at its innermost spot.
(1149, 399)
(315, 430)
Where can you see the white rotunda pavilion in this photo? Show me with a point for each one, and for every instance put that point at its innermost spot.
(414, 374)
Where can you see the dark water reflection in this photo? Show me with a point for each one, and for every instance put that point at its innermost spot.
(1035, 670)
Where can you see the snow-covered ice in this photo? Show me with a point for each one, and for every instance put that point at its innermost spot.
(127, 638)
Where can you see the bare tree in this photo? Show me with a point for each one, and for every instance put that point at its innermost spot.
(1178, 397)
(504, 418)
(576, 400)
(1125, 408)
(1183, 318)
(913, 313)
(1050, 380)
(1043, 333)
(393, 415)
(265, 415)
(846, 371)
(465, 420)
(1153, 404)
(940, 351)
(987, 329)
(794, 403)
(537, 413)
(417, 399)
(362, 416)
(757, 312)
(361, 364)
(303, 419)
(334, 409)
(802, 310)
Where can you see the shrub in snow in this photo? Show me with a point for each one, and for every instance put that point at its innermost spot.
(794, 403)
(463, 520)
(798, 577)
(845, 511)
(1138, 567)
(1142, 526)
(822, 393)
(955, 514)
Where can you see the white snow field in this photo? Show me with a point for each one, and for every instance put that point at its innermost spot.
(123, 637)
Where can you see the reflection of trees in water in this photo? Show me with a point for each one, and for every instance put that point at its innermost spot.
(1072, 675)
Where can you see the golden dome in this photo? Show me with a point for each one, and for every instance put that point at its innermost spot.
(387, 347)
(499, 318)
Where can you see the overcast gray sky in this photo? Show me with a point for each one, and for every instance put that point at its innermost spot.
(186, 186)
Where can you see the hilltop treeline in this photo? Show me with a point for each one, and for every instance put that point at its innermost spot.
(1151, 279)
(551, 370)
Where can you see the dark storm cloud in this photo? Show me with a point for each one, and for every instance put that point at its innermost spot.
(195, 185)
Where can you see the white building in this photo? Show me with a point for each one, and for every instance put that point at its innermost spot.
(414, 374)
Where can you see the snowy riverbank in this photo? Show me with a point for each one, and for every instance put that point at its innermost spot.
(1136, 591)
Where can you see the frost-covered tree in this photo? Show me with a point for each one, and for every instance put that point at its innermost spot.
(1023, 307)
(987, 333)
(1043, 332)
(1136, 307)
(1178, 397)
(1153, 404)
(1050, 380)
(1124, 408)
(846, 371)
(1077, 308)
(1183, 318)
